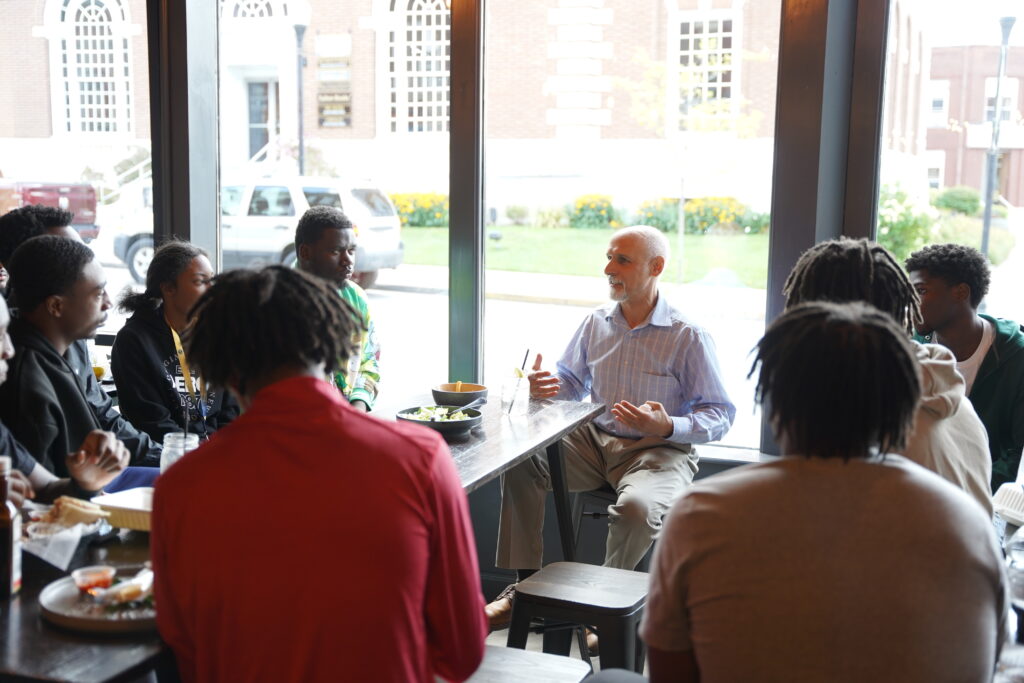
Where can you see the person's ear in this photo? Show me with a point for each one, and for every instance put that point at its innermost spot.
(962, 292)
(54, 305)
(168, 288)
(657, 265)
(303, 253)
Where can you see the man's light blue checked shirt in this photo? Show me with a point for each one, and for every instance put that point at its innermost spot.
(665, 359)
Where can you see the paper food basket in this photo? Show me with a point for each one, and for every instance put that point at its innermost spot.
(129, 509)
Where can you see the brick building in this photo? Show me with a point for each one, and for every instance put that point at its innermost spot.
(960, 111)
(634, 99)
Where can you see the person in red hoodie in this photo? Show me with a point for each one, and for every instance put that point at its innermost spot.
(307, 540)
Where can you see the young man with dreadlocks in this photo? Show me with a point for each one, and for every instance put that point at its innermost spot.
(374, 509)
(948, 437)
(839, 561)
(325, 244)
(952, 280)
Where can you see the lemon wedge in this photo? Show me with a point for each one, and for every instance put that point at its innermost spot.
(518, 373)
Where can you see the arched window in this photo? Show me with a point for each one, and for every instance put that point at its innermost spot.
(94, 74)
(419, 66)
(252, 9)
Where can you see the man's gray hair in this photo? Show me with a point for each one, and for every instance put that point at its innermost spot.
(654, 240)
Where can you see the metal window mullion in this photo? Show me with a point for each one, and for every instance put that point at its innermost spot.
(826, 140)
(466, 212)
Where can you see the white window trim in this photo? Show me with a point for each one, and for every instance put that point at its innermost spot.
(1010, 91)
(57, 32)
(385, 21)
(936, 89)
(676, 17)
(279, 8)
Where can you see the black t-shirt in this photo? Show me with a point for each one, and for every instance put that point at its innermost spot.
(20, 458)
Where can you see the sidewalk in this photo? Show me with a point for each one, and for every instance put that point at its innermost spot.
(701, 300)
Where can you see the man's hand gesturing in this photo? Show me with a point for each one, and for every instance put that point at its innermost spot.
(650, 418)
(542, 383)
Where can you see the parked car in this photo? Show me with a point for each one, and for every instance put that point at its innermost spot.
(258, 220)
(78, 198)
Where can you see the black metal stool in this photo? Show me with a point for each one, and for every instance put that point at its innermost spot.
(607, 599)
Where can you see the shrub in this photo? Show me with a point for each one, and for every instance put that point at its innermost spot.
(517, 214)
(902, 226)
(551, 218)
(965, 200)
(755, 222)
(703, 215)
(967, 230)
(594, 211)
(422, 210)
(662, 214)
(706, 213)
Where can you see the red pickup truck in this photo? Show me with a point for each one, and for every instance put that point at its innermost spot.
(78, 198)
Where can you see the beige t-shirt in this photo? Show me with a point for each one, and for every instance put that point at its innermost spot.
(820, 570)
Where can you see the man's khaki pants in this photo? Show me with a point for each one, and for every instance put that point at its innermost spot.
(648, 474)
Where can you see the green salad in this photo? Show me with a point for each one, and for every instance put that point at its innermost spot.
(438, 414)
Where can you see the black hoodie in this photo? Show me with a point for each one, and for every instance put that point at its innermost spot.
(151, 386)
(51, 402)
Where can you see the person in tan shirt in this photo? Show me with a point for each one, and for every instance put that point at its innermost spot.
(948, 436)
(840, 561)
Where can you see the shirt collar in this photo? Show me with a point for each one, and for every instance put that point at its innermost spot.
(661, 315)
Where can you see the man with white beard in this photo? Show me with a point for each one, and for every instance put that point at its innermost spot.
(658, 376)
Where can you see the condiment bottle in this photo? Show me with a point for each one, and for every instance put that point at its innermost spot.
(10, 535)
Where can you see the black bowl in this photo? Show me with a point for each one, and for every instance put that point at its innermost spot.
(447, 428)
(445, 394)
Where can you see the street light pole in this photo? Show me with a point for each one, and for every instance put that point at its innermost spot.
(1006, 23)
(300, 61)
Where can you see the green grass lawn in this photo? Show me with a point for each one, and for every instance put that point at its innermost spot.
(569, 251)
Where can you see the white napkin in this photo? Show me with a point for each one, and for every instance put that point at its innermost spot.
(58, 548)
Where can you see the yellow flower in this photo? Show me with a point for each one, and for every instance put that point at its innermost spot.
(437, 214)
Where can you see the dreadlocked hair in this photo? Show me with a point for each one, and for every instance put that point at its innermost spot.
(838, 380)
(251, 322)
(846, 270)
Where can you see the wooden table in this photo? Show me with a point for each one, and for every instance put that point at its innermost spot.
(502, 441)
(34, 649)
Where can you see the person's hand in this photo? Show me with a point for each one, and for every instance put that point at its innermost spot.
(359, 404)
(19, 488)
(542, 383)
(99, 460)
(650, 418)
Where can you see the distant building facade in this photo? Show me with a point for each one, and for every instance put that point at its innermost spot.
(580, 94)
(961, 106)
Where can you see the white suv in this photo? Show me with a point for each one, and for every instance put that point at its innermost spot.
(258, 220)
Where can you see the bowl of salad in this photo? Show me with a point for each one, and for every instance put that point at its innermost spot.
(449, 420)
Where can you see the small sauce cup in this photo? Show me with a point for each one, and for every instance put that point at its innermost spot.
(93, 580)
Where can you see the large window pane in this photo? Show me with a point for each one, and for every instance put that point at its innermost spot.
(603, 114)
(373, 140)
(74, 126)
(942, 73)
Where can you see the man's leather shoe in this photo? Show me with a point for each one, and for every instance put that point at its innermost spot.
(499, 612)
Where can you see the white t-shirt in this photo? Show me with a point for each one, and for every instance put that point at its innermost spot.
(808, 570)
(969, 367)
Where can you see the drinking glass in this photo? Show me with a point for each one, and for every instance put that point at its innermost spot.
(515, 394)
(176, 444)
